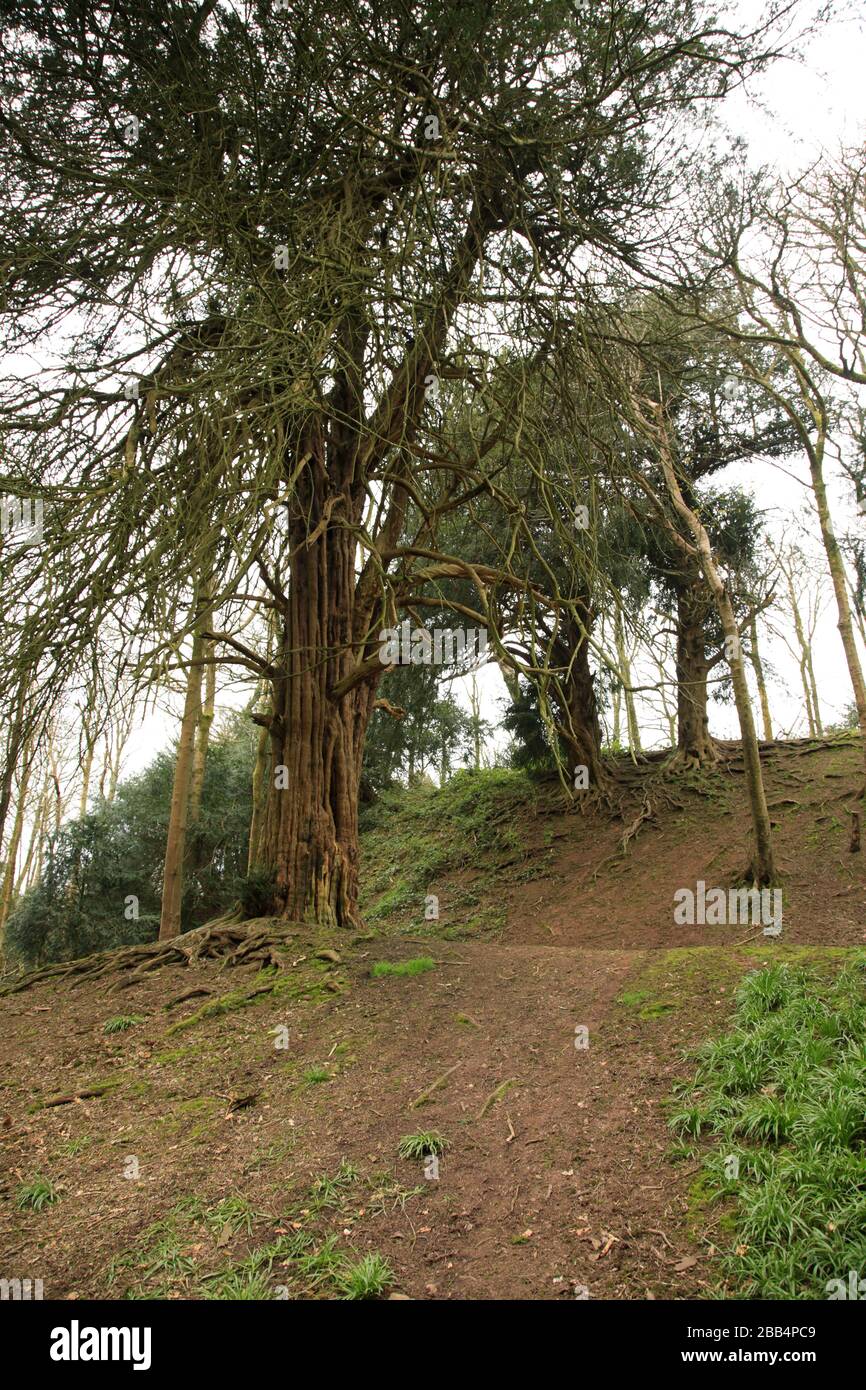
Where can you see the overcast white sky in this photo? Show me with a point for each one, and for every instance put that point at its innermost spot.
(796, 109)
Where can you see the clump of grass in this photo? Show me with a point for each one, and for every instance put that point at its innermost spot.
(238, 1286)
(368, 1277)
(36, 1195)
(73, 1147)
(121, 1022)
(322, 1265)
(316, 1076)
(420, 1145)
(416, 966)
(783, 1094)
(331, 1192)
(236, 1212)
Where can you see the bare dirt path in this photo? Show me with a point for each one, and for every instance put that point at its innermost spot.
(556, 1186)
(556, 1180)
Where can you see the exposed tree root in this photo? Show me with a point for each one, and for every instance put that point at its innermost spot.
(688, 760)
(231, 942)
(854, 842)
(646, 813)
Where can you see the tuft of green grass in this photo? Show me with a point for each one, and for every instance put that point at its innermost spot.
(304, 1261)
(422, 1144)
(236, 1212)
(237, 1286)
(121, 1022)
(368, 1277)
(783, 1098)
(322, 1265)
(36, 1195)
(416, 966)
(73, 1147)
(316, 1076)
(331, 1192)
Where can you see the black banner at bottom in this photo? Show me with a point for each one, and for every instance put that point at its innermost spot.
(82, 1340)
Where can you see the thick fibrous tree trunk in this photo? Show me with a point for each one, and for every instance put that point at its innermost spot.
(321, 712)
(317, 769)
(578, 722)
(172, 883)
(695, 746)
(326, 668)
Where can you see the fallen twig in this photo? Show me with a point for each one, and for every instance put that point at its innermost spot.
(440, 1081)
(496, 1094)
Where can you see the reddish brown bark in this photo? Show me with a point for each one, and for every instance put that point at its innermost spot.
(325, 672)
(310, 833)
(578, 721)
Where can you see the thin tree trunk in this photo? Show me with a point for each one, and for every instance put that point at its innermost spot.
(203, 727)
(625, 671)
(762, 868)
(757, 667)
(807, 699)
(840, 588)
(616, 701)
(123, 730)
(475, 706)
(669, 711)
(7, 891)
(814, 688)
(808, 687)
(23, 882)
(260, 799)
(56, 783)
(86, 769)
(14, 740)
(43, 828)
(172, 881)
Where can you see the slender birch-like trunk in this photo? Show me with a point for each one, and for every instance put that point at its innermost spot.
(758, 668)
(172, 883)
(762, 868)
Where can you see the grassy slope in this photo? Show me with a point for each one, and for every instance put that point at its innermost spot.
(279, 1142)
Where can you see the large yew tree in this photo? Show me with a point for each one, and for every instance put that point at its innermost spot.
(245, 243)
